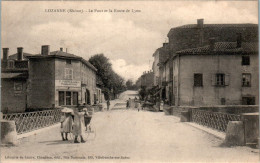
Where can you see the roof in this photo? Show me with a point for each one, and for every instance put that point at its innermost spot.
(13, 75)
(14, 56)
(61, 54)
(218, 26)
(223, 47)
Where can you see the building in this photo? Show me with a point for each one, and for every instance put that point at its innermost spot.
(222, 73)
(147, 79)
(212, 64)
(46, 80)
(59, 78)
(14, 75)
(160, 56)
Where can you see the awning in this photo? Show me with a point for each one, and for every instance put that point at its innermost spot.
(13, 75)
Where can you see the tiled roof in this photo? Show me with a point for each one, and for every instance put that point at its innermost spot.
(225, 47)
(14, 56)
(218, 26)
(64, 55)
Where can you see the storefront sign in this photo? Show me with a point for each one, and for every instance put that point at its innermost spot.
(67, 83)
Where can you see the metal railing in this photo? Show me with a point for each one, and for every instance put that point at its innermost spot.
(30, 121)
(214, 120)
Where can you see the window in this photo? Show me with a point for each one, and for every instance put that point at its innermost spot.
(75, 98)
(68, 61)
(68, 73)
(220, 79)
(68, 98)
(245, 60)
(61, 98)
(198, 80)
(223, 101)
(248, 100)
(10, 64)
(18, 86)
(246, 80)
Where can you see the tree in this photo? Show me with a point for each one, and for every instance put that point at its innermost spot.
(111, 82)
(129, 84)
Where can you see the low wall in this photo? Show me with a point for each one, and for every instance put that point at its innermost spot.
(231, 109)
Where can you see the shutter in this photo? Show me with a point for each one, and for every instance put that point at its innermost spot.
(213, 79)
(227, 76)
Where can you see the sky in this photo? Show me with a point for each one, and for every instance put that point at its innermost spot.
(128, 39)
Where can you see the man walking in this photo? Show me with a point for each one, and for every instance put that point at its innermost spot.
(108, 104)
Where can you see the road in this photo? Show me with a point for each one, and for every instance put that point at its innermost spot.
(128, 135)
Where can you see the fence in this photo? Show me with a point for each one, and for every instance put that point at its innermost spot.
(214, 120)
(29, 121)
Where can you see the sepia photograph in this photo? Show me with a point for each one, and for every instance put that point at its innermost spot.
(129, 81)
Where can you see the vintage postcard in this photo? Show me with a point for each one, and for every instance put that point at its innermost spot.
(129, 81)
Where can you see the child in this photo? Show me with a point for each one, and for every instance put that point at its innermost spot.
(66, 126)
(87, 119)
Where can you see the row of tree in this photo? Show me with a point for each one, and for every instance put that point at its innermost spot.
(108, 80)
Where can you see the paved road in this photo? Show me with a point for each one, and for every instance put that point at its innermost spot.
(129, 135)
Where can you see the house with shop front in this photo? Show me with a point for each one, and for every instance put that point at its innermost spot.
(14, 75)
(59, 78)
(212, 64)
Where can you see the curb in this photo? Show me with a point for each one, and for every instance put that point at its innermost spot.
(215, 133)
(27, 134)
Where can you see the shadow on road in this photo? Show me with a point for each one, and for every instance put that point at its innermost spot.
(57, 142)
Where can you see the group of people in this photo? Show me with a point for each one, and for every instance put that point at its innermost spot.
(137, 103)
(75, 122)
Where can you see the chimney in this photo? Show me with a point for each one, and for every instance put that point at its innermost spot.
(61, 49)
(20, 53)
(5, 53)
(239, 40)
(165, 44)
(200, 23)
(212, 43)
(45, 50)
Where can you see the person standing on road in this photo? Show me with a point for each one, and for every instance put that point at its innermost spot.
(78, 126)
(108, 104)
(66, 125)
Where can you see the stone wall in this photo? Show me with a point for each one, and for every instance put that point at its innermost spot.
(41, 83)
(13, 101)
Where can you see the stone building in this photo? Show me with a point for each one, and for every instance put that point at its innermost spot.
(208, 64)
(59, 78)
(14, 75)
(147, 79)
(46, 80)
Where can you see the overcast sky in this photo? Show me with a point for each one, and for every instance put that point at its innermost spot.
(127, 39)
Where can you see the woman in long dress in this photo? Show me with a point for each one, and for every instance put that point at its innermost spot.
(66, 125)
(78, 126)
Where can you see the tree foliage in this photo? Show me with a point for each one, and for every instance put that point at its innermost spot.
(110, 82)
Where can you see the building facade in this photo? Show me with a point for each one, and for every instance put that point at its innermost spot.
(147, 80)
(46, 80)
(206, 65)
(221, 74)
(60, 79)
(14, 75)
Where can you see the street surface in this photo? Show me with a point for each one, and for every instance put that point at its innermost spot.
(132, 136)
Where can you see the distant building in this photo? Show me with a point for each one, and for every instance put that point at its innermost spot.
(212, 64)
(147, 79)
(160, 56)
